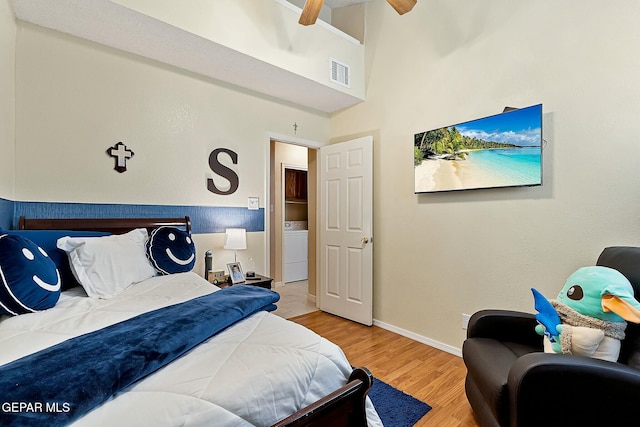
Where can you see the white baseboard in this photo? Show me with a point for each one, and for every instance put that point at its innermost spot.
(278, 284)
(312, 299)
(424, 340)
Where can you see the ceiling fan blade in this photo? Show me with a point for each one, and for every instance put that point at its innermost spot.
(401, 6)
(310, 12)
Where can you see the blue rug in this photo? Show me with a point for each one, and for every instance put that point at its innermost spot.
(396, 408)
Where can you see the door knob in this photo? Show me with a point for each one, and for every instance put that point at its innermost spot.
(365, 240)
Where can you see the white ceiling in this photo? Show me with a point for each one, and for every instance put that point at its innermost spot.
(107, 23)
(341, 3)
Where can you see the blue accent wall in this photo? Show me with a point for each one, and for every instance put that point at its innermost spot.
(204, 219)
(6, 213)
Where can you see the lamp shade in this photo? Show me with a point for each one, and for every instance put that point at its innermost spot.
(236, 238)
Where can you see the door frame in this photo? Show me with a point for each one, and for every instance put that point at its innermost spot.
(287, 139)
(283, 206)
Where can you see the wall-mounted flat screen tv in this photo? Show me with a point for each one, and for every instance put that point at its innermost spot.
(504, 150)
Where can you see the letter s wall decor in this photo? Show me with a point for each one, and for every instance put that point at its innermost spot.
(219, 169)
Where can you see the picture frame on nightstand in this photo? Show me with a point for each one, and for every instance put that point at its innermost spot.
(235, 272)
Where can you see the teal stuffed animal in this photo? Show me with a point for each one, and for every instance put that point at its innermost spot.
(593, 307)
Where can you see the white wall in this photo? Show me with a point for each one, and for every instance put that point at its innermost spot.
(439, 255)
(265, 30)
(75, 99)
(7, 99)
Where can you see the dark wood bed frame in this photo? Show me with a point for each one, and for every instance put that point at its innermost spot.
(343, 407)
(111, 225)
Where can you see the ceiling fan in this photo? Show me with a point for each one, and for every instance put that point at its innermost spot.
(312, 8)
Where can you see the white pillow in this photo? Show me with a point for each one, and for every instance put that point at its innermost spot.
(105, 266)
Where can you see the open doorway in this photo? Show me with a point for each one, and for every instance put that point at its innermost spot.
(292, 225)
(295, 265)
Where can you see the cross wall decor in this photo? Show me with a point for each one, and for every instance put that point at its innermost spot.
(120, 153)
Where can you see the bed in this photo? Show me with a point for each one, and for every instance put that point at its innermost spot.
(74, 363)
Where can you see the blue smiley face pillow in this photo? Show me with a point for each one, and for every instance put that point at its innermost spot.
(29, 280)
(171, 250)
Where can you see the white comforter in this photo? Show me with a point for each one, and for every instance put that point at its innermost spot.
(255, 373)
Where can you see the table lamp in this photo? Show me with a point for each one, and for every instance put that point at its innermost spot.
(236, 239)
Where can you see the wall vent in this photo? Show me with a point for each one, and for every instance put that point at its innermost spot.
(340, 73)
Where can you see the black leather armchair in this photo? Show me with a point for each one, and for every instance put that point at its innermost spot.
(512, 382)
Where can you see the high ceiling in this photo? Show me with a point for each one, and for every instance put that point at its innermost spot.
(340, 3)
(108, 23)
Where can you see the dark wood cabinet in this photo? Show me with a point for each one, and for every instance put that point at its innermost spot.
(295, 185)
(262, 281)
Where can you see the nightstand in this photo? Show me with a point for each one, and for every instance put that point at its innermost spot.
(262, 281)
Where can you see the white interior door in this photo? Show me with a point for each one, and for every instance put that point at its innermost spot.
(345, 231)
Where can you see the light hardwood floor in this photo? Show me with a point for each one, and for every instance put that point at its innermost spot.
(429, 374)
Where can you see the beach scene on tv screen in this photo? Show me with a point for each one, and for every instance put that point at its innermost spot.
(496, 151)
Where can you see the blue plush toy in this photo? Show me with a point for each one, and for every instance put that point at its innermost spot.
(29, 280)
(171, 250)
(591, 310)
(547, 317)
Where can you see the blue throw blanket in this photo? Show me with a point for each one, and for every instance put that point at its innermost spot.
(61, 383)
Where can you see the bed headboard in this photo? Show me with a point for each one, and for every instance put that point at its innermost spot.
(111, 225)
